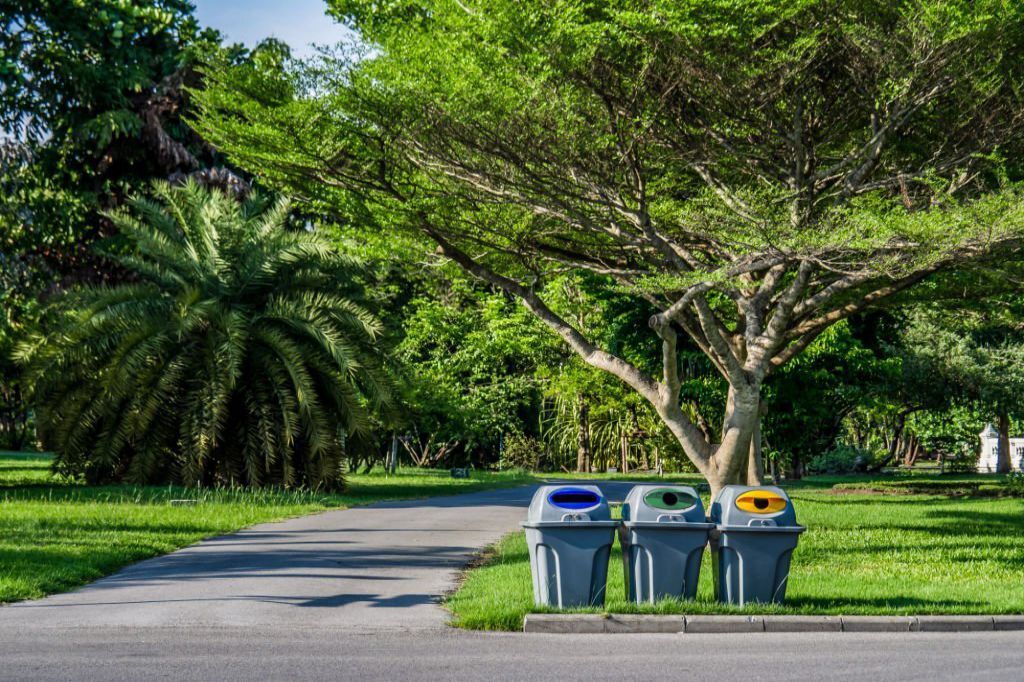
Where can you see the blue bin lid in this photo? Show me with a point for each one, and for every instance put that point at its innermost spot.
(568, 503)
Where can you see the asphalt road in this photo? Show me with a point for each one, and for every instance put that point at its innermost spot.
(352, 595)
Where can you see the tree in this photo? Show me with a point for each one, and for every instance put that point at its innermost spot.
(92, 98)
(471, 358)
(589, 415)
(94, 92)
(240, 353)
(17, 312)
(756, 172)
(809, 399)
(979, 358)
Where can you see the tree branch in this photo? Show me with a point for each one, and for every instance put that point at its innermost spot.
(590, 353)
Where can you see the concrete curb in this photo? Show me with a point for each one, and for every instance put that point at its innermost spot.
(716, 624)
(579, 623)
(570, 623)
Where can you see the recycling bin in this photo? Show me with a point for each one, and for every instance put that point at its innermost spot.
(663, 535)
(570, 533)
(751, 546)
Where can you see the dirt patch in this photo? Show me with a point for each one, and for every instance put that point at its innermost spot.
(945, 491)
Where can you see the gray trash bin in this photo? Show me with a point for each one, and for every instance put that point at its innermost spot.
(752, 544)
(663, 535)
(570, 533)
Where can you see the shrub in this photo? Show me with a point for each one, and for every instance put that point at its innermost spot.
(961, 464)
(1015, 484)
(240, 353)
(520, 452)
(842, 459)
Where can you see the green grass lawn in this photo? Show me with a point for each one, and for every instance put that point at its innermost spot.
(55, 536)
(861, 554)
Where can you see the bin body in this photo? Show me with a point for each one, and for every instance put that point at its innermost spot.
(569, 533)
(663, 535)
(753, 544)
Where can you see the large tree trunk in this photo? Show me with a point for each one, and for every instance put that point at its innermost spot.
(913, 452)
(624, 448)
(755, 462)
(1003, 456)
(897, 436)
(729, 463)
(583, 437)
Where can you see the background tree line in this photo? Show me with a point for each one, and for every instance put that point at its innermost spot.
(450, 370)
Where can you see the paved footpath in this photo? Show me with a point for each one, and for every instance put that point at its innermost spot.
(352, 594)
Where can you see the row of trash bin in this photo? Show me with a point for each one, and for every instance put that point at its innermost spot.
(752, 532)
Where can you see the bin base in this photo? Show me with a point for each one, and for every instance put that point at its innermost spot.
(750, 565)
(661, 561)
(569, 564)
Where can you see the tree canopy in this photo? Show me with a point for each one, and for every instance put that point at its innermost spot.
(754, 172)
(92, 95)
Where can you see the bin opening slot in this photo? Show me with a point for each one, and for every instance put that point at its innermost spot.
(671, 500)
(574, 498)
(760, 502)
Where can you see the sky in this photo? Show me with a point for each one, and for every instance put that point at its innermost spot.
(299, 23)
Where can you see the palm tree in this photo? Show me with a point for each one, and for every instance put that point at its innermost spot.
(239, 353)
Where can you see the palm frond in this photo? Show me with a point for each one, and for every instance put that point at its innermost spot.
(243, 354)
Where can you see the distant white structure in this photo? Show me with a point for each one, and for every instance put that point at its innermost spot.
(990, 451)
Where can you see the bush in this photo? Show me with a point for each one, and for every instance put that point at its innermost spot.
(961, 464)
(520, 452)
(1015, 484)
(842, 459)
(239, 353)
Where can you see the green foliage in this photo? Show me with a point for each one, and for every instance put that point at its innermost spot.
(962, 463)
(958, 368)
(711, 154)
(521, 452)
(1015, 483)
(91, 105)
(19, 311)
(982, 359)
(240, 353)
(92, 90)
(69, 64)
(470, 359)
(951, 431)
(570, 87)
(809, 398)
(613, 412)
(842, 459)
